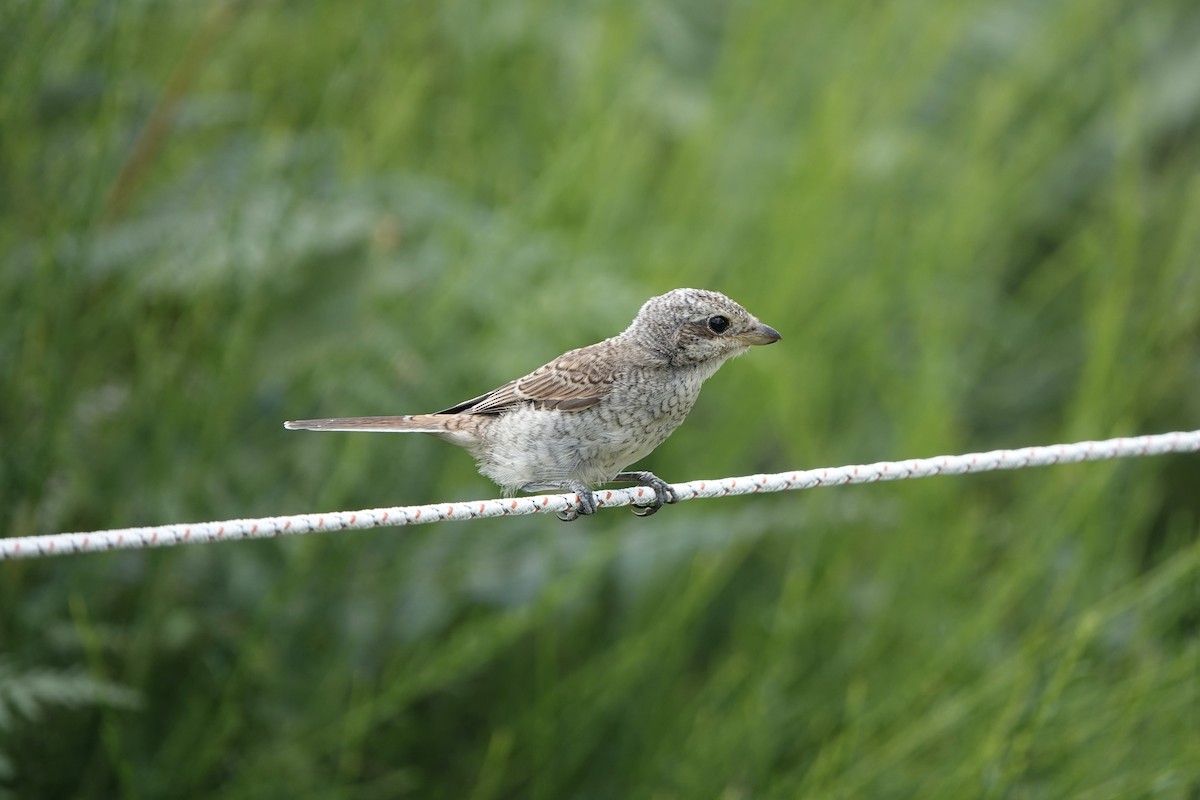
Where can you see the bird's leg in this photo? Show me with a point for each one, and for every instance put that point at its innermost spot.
(587, 498)
(663, 493)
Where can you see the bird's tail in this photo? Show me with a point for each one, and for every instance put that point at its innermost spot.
(415, 423)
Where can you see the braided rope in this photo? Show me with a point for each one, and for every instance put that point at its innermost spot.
(167, 535)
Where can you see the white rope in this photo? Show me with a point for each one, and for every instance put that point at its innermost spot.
(167, 535)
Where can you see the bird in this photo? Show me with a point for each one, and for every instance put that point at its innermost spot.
(580, 420)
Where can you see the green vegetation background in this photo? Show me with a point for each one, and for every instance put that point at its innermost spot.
(976, 224)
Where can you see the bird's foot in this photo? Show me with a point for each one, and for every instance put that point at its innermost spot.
(587, 498)
(663, 493)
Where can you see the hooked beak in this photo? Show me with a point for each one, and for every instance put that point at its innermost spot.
(760, 334)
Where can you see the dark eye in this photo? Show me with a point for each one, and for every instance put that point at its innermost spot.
(718, 324)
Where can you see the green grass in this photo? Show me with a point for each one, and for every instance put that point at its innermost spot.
(976, 224)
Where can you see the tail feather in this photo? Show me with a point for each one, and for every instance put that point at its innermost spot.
(418, 423)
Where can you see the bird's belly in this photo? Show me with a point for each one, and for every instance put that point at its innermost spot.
(592, 445)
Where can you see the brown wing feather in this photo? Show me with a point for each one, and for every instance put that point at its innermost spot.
(575, 380)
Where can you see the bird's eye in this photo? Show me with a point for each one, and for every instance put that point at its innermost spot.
(718, 324)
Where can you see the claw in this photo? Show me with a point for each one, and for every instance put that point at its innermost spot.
(587, 498)
(587, 506)
(663, 493)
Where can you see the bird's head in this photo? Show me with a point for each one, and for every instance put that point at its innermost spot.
(694, 326)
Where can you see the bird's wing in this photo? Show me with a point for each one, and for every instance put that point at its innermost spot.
(574, 381)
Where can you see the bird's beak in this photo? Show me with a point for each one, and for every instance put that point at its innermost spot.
(760, 334)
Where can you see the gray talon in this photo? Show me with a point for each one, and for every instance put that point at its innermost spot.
(663, 493)
(587, 498)
(587, 506)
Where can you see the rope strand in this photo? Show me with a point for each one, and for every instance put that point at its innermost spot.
(231, 530)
